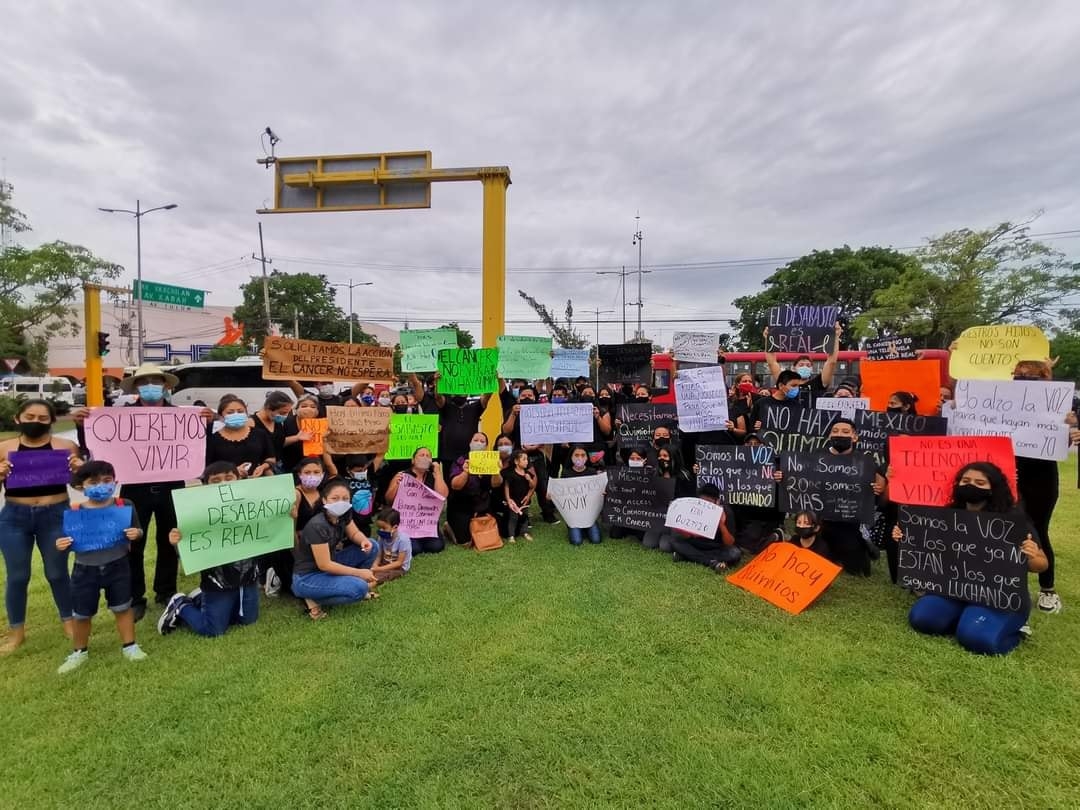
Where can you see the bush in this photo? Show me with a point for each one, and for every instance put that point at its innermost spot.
(8, 406)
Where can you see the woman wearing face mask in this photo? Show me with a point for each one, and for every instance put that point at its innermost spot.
(980, 487)
(33, 515)
(901, 402)
(504, 445)
(741, 402)
(310, 474)
(808, 534)
(271, 418)
(668, 465)
(239, 443)
(307, 407)
(326, 394)
(577, 468)
(430, 475)
(470, 495)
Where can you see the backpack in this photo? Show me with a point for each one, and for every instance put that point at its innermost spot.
(485, 533)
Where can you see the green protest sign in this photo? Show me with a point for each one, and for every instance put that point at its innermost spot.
(420, 347)
(524, 358)
(228, 522)
(468, 371)
(408, 432)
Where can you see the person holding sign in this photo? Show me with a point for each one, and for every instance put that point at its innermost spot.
(808, 534)
(307, 407)
(271, 418)
(810, 385)
(424, 470)
(979, 487)
(459, 419)
(720, 553)
(101, 562)
(228, 594)
(33, 513)
(333, 558)
(579, 467)
(238, 443)
(470, 494)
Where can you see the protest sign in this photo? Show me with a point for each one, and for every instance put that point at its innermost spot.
(292, 359)
(38, 468)
(802, 329)
(964, 555)
(420, 347)
(794, 428)
(742, 473)
(701, 399)
(694, 516)
(356, 430)
(992, 352)
(637, 421)
(834, 487)
(845, 406)
(97, 529)
(695, 347)
(637, 499)
(484, 462)
(579, 500)
(317, 428)
(625, 363)
(148, 445)
(468, 371)
(570, 363)
(556, 424)
(524, 358)
(419, 507)
(1032, 412)
(409, 432)
(890, 348)
(224, 523)
(882, 378)
(922, 469)
(787, 575)
(874, 429)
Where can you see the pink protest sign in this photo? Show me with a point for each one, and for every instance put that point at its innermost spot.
(419, 507)
(148, 445)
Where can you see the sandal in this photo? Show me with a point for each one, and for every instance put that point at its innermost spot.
(528, 537)
(371, 595)
(316, 613)
(720, 567)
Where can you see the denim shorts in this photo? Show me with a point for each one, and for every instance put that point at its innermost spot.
(88, 581)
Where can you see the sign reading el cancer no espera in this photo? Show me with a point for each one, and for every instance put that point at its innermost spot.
(292, 359)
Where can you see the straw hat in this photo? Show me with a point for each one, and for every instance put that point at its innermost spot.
(127, 385)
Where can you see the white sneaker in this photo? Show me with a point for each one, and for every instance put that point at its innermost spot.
(133, 653)
(273, 582)
(73, 662)
(1025, 631)
(1049, 602)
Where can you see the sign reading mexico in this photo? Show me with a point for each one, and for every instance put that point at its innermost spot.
(292, 359)
(992, 352)
(148, 445)
(228, 522)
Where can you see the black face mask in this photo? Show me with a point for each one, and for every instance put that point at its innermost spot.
(664, 465)
(586, 400)
(34, 430)
(1027, 378)
(894, 410)
(527, 401)
(841, 444)
(604, 401)
(969, 493)
(401, 409)
(661, 441)
(641, 399)
(457, 400)
(805, 532)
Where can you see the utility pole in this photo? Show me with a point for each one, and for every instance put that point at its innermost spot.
(266, 280)
(351, 285)
(622, 283)
(597, 313)
(638, 239)
(296, 323)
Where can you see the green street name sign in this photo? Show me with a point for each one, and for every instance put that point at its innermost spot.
(153, 293)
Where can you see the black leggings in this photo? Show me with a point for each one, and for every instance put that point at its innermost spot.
(1038, 483)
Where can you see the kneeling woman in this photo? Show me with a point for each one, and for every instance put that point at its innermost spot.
(979, 487)
(333, 558)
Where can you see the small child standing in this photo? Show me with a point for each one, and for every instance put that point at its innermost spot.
(227, 594)
(519, 486)
(101, 569)
(395, 547)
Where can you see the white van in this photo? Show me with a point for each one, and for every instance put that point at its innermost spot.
(51, 388)
(210, 380)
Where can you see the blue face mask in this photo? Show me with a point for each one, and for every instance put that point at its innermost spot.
(384, 536)
(151, 393)
(792, 393)
(558, 400)
(235, 420)
(99, 492)
(279, 419)
(805, 372)
(367, 399)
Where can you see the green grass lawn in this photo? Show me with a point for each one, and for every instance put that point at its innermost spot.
(543, 675)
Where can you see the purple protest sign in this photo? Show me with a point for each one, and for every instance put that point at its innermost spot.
(419, 507)
(38, 468)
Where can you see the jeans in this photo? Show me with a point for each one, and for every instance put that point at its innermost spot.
(979, 629)
(20, 527)
(705, 552)
(338, 589)
(153, 500)
(88, 581)
(427, 545)
(577, 535)
(219, 609)
(517, 524)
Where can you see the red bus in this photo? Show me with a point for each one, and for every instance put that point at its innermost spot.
(754, 363)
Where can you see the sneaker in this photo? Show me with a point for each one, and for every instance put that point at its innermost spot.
(171, 615)
(196, 597)
(73, 662)
(133, 653)
(677, 557)
(1049, 602)
(273, 582)
(1025, 631)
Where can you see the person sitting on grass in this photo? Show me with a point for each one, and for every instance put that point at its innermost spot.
(579, 467)
(720, 553)
(333, 558)
(105, 569)
(395, 547)
(227, 594)
(980, 487)
(808, 534)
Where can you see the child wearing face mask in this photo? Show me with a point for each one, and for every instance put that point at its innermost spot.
(519, 485)
(808, 534)
(395, 547)
(362, 472)
(101, 569)
(310, 474)
(227, 594)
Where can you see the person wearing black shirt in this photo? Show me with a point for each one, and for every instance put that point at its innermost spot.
(271, 419)
(538, 461)
(808, 534)
(786, 394)
(720, 553)
(239, 443)
(811, 385)
(459, 419)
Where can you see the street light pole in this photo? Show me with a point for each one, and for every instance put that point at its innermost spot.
(351, 285)
(622, 282)
(138, 213)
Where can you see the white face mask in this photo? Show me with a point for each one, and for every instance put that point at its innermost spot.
(477, 446)
(422, 463)
(326, 390)
(637, 462)
(337, 508)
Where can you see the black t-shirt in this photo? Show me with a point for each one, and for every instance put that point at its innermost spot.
(306, 511)
(810, 390)
(326, 402)
(290, 453)
(318, 531)
(819, 546)
(757, 411)
(457, 425)
(253, 449)
(518, 485)
(277, 436)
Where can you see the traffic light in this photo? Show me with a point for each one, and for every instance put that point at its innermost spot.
(102, 343)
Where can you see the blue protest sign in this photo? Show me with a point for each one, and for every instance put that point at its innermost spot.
(97, 529)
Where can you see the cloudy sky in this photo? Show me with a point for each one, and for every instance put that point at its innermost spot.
(738, 130)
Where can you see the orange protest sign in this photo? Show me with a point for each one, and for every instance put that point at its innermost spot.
(922, 468)
(788, 575)
(317, 429)
(881, 378)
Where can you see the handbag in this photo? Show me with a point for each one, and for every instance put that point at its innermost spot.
(485, 533)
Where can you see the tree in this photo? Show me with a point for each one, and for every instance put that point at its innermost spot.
(296, 297)
(968, 278)
(465, 339)
(39, 286)
(565, 336)
(227, 353)
(1065, 345)
(842, 276)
